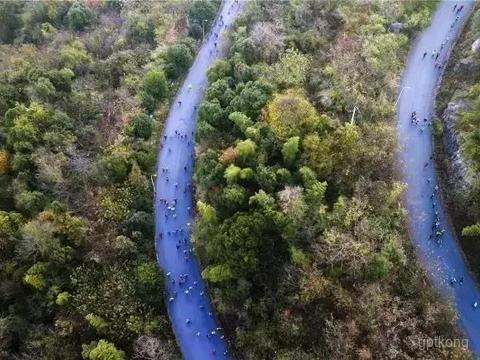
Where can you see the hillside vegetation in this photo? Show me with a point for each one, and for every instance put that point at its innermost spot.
(458, 113)
(84, 90)
(300, 226)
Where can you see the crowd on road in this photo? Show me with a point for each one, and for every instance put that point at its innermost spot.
(197, 330)
(438, 56)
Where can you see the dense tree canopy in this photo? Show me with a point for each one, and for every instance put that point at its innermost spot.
(84, 86)
(300, 226)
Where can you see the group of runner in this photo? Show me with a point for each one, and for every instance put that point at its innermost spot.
(437, 230)
(183, 284)
(174, 211)
(435, 54)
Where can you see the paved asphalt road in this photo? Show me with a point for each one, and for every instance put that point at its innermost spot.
(436, 243)
(189, 306)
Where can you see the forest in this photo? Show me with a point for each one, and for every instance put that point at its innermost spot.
(84, 89)
(299, 228)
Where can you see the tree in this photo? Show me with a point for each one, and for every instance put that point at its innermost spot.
(34, 16)
(43, 89)
(217, 273)
(221, 91)
(232, 173)
(291, 114)
(152, 348)
(251, 98)
(290, 150)
(233, 198)
(239, 245)
(291, 70)
(112, 168)
(79, 16)
(266, 178)
(211, 112)
(30, 202)
(96, 322)
(35, 125)
(202, 13)
(246, 149)
(102, 350)
(241, 120)
(35, 276)
(208, 170)
(268, 41)
(219, 70)
(141, 126)
(10, 20)
(9, 224)
(292, 203)
(178, 59)
(148, 274)
(63, 298)
(155, 84)
(261, 200)
(74, 56)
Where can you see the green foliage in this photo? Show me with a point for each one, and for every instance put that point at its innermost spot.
(291, 70)
(141, 126)
(30, 202)
(155, 89)
(178, 59)
(471, 230)
(35, 125)
(123, 294)
(79, 16)
(262, 200)
(207, 212)
(242, 121)
(240, 244)
(246, 149)
(112, 168)
(217, 273)
(147, 273)
(201, 13)
(208, 170)
(35, 276)
(219, 70)
(298, 257)
(96, 322)
(251, 98)
(292, 114)
(74, 55)
(290, 150)
(102, 350)
(232, 173)
(72, 88)
(10, 20)
(63, 298)
(9, 223)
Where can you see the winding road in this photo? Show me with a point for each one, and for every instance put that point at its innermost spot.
(189, 306)
(429, 225)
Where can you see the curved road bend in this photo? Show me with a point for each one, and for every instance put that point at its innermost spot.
(436, 243)
(190, 309)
